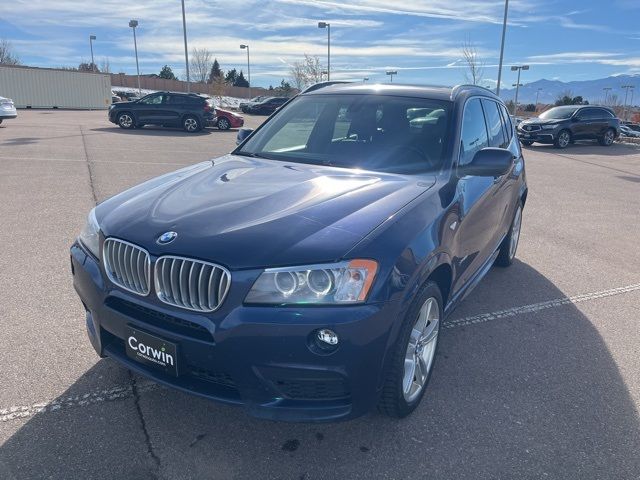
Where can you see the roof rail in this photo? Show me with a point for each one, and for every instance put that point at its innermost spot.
(455, 90)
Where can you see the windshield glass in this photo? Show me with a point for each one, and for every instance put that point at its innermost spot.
(558, 113)
(371, 132)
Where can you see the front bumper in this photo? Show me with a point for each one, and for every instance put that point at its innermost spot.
(260, 357)
(540, 136)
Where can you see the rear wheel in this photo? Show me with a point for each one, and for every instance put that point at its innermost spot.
(125, 120)
(0, 120)
(224, 124)
(509, 245)
(190, 124)
(607, 139)
(413, 355)
(526, 143)
(563, 139)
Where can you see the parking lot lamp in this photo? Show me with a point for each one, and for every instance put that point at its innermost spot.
(186, 51)
(519, 68)
(391, 73)
(504, 31)
(365, 79)
(133, 24)
(248, 67)
(328, 27)
(91, 39)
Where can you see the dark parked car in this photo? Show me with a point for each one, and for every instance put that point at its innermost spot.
(266, 106)
(243, 105)
(560, 126)
(189, 111)
(307, 274)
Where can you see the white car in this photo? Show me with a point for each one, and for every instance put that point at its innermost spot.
(7, 109)
(626, 131)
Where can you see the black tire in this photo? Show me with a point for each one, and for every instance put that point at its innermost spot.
(563, 140)
(607, 139)
(125, 120)
(526, 143)
(507, 254)
(223, 123)
(191, 124)
(392, 400)
(0, 120)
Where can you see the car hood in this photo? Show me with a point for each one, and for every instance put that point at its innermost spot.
(247, 213)
(228, 112)
(540, 121)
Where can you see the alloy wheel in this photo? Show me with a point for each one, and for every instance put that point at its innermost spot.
(421, 350)
(608, 137)
(125, 120)
(564, 139)
(223, 124)
(190, 124)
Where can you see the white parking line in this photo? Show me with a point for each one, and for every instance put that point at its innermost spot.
(124, 392)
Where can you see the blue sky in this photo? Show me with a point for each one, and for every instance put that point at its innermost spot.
(560, 39)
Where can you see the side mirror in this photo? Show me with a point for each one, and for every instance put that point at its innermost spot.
(489, 162)
(243, 133)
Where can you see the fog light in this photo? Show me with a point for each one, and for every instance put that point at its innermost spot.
(328, 336)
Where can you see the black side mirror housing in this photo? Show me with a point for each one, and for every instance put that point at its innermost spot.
(489, 162)
(243, 133)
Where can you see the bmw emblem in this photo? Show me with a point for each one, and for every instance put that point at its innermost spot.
(167, 237)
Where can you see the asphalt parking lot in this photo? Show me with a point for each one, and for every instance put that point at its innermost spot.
(537, 375)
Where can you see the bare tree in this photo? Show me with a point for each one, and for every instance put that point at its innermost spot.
(218, 88)
(475, 67)
(201, 61)
(105, 66)
(7, 57)
(306, 72)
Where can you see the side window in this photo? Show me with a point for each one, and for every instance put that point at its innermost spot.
(153, 99)
(474, 131)
(494, 124)
(508, 126)
(176, 100)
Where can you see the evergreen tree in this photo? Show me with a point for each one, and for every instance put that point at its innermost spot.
(167, 73)
(215, 71)
(231, 76)
(241, 81)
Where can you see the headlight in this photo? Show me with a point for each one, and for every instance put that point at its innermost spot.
(336, 283)
(547, 127)
(89, 236)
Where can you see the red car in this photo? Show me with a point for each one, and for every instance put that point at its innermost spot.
(225, 119)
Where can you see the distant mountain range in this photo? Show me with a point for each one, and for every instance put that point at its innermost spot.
(591, 90)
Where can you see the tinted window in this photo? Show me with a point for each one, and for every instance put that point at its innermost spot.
(558, 113)
(154, 99)
(176, 100)
(371, 132)
(474, 131)
(494, 123)
(506, 119)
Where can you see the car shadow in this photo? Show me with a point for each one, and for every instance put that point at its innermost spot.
(588, 147)
(153, 131)
(537, 395)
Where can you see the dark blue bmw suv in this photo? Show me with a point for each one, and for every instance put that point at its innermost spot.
(306, 275)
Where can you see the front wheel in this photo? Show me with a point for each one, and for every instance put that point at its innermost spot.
(509, 245)
(413, 355)
(563, 139)
(608, 138)
(191, 124)
(125, 120)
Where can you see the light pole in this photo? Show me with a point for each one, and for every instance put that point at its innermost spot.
(93, 64)
(248, 67)
(186, 51)
(504, 31)
(626, 93)
(537, 95)
(606, 95)
(133, 24)
(519, 68)
(328, 27)
(391, 73)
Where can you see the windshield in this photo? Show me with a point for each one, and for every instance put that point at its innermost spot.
(371, 132)
(558, 113)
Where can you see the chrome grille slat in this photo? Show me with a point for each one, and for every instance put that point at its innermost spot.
(127, 265)
(191, 284)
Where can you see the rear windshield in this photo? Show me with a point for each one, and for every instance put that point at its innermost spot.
(371, 132)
